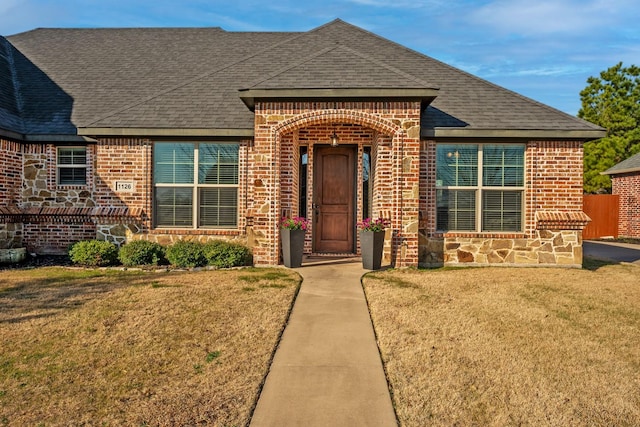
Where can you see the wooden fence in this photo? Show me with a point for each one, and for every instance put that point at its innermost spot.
(603, 209)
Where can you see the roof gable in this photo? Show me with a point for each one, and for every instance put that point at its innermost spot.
(337, 67)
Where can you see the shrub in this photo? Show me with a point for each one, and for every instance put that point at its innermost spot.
(186, 253)
(94, 253)
(223, 254)
(141, 252)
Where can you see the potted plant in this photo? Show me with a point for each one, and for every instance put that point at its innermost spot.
(372, 242)
(292, 231)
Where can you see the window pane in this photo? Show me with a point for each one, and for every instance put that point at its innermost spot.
(72, 156)
(456, 210)
(501, 211)
(173, 163)
(503, 165)
(218, 164)
(72, 165)
(302, 200)
(218, 207)
(367, 182)
(72, 176)
(174, 207)
(456, 165)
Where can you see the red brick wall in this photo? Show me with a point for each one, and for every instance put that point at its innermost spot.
(11, 176)
(131, 159)
(122, 159)
(627, 186)
(397, 164)
(10, 184)
(56, 238)
(554, 178)
(403, 182)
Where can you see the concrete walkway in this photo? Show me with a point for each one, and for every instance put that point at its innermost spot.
(327, 370)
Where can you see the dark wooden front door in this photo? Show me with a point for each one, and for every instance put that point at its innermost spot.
(333, 196)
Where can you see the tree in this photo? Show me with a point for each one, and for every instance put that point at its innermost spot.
(613, 102)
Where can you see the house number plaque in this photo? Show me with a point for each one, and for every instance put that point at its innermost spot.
(125, 186)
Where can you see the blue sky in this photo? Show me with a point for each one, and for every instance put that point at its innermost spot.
(543, 49)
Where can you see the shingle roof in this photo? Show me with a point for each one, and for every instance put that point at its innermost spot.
(189, 78)
(10, 118)
(632, 164)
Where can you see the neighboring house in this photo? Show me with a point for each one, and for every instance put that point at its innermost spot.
(171, 133)
(625, 182)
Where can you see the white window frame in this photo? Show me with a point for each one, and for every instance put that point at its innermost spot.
(480, 188)
(71, 166)
(196, 186)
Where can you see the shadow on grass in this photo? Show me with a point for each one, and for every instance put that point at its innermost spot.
(60, 289)
(593, 264)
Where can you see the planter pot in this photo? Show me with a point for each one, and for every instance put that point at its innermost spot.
(371, 245)
(292, 247)
(12, 256)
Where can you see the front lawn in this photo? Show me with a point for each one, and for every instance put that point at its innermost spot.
(106, 347)
(510, 346)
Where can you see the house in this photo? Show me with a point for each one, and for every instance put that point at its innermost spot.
(172, 133)
(625, 182)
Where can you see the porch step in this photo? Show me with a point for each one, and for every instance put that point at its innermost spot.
(331, 255)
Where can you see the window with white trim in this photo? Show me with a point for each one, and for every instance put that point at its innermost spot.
(196, 184)
(71, 165)
(479, 187)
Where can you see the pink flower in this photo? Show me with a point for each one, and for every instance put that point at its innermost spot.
(369, 224)
(295, 223)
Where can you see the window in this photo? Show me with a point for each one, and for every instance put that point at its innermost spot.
(367, 182)
(479, 187)
(196, 183)
(302, 192)
(71, 163)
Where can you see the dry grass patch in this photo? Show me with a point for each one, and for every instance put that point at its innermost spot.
(104, 347)
(511, 346)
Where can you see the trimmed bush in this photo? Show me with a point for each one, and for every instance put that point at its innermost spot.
(141, 252)
(223, 254)
(186, 253)
(94, 253)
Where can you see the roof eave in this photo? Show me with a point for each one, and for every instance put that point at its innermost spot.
(11, 134)
(620, 171)
(585, 135)
(166, 132)
(249, 96)
(56, 138)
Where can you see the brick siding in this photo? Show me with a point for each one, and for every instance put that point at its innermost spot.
(627, 186)
(403, 184)
(281, 127)
(10, 184)
(553, 189)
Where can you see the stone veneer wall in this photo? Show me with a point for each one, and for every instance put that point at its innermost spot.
(548, 248)
(276, 121)
(627, 186)
(40, 190)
